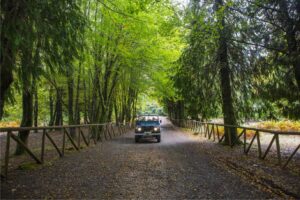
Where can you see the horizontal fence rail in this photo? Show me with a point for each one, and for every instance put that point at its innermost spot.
(77, 135)
(212, 131)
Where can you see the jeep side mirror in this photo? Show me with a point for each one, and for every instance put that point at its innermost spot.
(159, 121)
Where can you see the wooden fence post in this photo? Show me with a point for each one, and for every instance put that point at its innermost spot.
(213, 130)
(20, 142)
(245, 140)
(258, 144)
(89, 135)
(269, 147)
(248, 149)
(83, 137)
(43, 145)
(112, 129)
(218, 133)
(100, 135)
(229, 135)
(7, 153)
(71, 139)
(78, 139)
(291, 156)
(53, 143)
(64, 142)
(278, 149)
(109, 131)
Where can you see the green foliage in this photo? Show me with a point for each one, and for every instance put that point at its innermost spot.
(263, 77)
(104, 60)
(99, 56)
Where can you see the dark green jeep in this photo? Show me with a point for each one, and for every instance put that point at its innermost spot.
(147, 126)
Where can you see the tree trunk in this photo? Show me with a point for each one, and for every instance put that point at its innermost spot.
(51, 107)
(70, 99)
(36, 107)
(58, 108)
(95, 87)
(26, 118)
(6, 77)
(85, 115)
(290, 35)
(222, 59)
(9, 12)
(90, 96)
(27, 100)
(26, 73)
(77, 110)
(110, 110)
(116, 112)
(134, 108)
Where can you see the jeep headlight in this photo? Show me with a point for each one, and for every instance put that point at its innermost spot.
(139, 129)
(155, 129)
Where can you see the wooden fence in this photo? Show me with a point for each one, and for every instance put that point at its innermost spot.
(95, 133)
(212, 131)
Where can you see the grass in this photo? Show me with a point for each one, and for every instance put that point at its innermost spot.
(29, 166)
(286, 125)
(33, 165)
(9, 124)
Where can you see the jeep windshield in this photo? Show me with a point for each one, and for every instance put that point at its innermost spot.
(147, 123)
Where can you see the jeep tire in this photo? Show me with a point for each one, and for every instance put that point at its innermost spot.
(158, 138)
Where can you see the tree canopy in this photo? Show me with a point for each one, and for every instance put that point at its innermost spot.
(94, 61)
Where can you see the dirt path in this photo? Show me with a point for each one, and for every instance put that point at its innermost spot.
(121, 169)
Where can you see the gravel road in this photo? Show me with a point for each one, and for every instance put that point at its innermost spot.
(122, 169)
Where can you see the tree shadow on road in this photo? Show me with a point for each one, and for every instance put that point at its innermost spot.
(130, 140)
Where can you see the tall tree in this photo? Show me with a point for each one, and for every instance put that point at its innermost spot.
(222, 61)
(32, 46)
